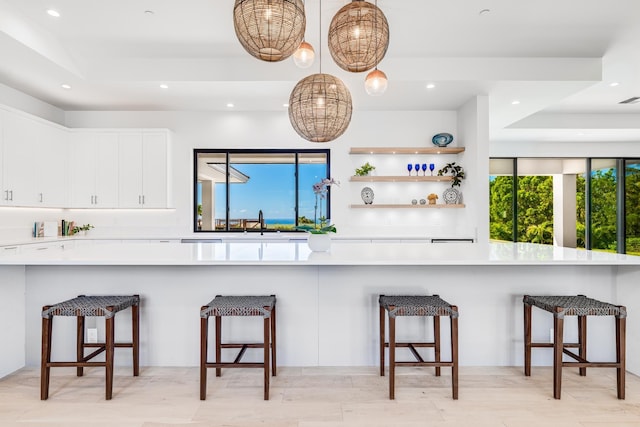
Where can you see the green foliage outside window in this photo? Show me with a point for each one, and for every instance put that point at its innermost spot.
(535, 209)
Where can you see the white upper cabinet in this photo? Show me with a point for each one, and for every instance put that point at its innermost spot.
(94, 169)
(144, 169)
(19, 173)
(51, 161)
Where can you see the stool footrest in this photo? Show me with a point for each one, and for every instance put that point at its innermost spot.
(234, 365)
(115, 345)
(550, 345)
(74, 364)
(236, 345)
(591, 364)
(413, 344)
(430, 364)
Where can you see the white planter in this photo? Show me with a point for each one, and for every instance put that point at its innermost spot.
(319, 242)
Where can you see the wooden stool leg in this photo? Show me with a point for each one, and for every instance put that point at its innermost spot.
(382, 320)
(109, 341)
(392, 356)
(558, 345)
(582, 341)
(454, 353)
(218, 327)
(135, 334)
(621, 348)
(204, 326)
(80, 344)
(273, 341)
(436, 340)
(527, 340)
(45, 358)
(266, 346)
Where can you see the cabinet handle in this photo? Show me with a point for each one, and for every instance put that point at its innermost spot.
(6, 194)
(91, 199)
(10, 248)
(96, 196)
(11, 195)
(41, 198)
(143, 199)
(139, 199)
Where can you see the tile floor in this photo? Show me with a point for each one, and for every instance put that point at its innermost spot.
(319, 397)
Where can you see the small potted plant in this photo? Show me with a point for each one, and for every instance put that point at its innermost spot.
(83, 229)
(318, 239)
(456, 172)
(365, 169)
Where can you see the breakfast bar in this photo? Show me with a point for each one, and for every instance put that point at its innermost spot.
(327, 301)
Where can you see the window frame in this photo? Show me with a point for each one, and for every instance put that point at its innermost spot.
(228, 152)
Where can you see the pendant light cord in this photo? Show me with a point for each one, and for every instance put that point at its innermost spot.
(320, 41)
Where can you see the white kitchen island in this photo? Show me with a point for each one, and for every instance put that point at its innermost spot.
(327, 302)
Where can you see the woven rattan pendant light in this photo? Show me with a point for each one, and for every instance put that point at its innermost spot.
(270, 30)
(320, 105)
(358, 36)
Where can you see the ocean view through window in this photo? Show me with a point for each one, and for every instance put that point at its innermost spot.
(256, 190)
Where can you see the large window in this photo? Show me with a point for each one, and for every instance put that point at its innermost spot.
(584, 203)
(632, 203)
(257, 190)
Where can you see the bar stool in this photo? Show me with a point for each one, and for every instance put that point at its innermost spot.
(220, 306)
(418, 305)
(80, 307)
(582, 307)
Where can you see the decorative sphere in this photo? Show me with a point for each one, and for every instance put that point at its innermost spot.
(320, 108)
(358, 36)
(270, 30)
(376, 83)
(303, 56)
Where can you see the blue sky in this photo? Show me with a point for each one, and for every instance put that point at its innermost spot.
(271, 187)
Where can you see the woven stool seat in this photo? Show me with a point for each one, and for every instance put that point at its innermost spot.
(575, 305)
(92, 306)
(230, 305)
(425, 306)
(416, 305)
(233, 305)
(580, 306)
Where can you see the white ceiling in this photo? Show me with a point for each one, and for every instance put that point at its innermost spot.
(557, 58)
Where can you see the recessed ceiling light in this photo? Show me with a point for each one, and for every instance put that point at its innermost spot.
(614, 84)
(230, 105)
(65, 86)
(516, 102)
(54, 13)
(430, 86)
(285, 105)
(484, 12)
(149, 12)
(163, 86)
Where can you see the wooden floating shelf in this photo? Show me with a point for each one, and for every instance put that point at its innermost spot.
(406, 150)
(427, 206)
(375, 178)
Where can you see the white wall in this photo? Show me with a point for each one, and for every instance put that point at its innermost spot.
(273, 130)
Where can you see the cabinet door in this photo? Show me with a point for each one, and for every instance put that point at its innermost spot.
(130, 173)
(19, 160)
(82, 166)
(106, 195)
(52, 161)
(154, 170)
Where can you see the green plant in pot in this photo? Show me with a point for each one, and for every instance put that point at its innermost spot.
(365, 169)
(456, 171)
(82, 228)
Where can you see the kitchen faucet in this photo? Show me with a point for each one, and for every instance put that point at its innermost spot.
(261, 221)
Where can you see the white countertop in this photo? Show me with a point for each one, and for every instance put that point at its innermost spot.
(298, 253)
